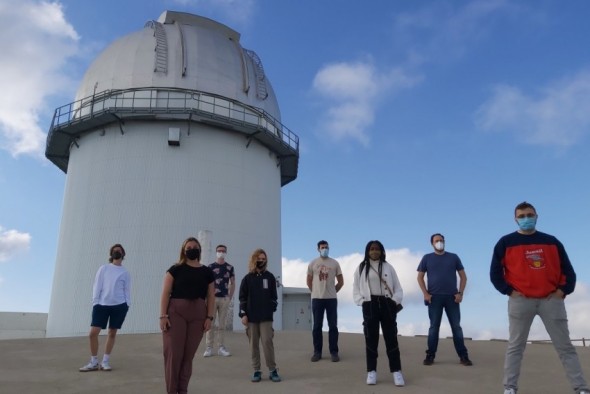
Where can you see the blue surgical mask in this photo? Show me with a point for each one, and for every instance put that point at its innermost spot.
(324, 252)
(527, 224)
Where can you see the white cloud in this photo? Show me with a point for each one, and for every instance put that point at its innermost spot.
(557, 115)
(351, 92)
(12, 242)
(445, 30)
(36, 42)
(404, 262)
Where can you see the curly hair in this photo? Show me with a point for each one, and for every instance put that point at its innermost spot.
(254, 257)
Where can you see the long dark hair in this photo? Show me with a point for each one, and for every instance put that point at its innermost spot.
(367, 261)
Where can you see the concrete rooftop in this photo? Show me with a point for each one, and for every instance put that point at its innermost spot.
(51, 366)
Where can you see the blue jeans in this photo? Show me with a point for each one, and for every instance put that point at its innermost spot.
(318, 306)
(438, 303)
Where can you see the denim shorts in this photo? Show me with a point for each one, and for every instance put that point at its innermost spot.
(113, 314)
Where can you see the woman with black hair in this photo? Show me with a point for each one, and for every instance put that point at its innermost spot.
(377, 289)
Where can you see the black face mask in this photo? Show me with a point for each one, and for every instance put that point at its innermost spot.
(193, 254)
(260, 264)
(116, 255)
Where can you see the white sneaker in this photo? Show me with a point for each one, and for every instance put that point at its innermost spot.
(208, 352)
(89, 367)
(105, 366)
(510, 391)
(223, 352)
(398, 379)
(372, 377)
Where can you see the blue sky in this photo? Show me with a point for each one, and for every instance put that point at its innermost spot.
(413, 118)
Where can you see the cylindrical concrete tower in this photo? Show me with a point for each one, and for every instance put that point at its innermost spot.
(175, 132)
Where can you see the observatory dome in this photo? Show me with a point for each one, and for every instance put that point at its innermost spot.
(174, 132)
(184, 51)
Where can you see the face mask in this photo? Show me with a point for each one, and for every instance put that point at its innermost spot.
(192, 254)
(116, 255)
(439, 245)
(221, 255)
(324, 252)
(260, 264)
(527, 224)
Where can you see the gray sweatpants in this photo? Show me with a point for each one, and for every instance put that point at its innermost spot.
(521, 312)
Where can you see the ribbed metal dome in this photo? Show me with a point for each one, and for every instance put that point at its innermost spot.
(183, 51)
(181, 66)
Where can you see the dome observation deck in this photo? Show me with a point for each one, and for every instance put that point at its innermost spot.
(182, 67)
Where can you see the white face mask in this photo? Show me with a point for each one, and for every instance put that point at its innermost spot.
(439, 245)
(221, 255)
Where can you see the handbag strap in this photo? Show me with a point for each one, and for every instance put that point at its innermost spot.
(382, 281)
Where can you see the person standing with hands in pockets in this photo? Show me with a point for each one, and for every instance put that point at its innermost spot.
(258, 302)
(441, 294)
(111, 297)
(377, 290)
(186, 312)
(533, 269)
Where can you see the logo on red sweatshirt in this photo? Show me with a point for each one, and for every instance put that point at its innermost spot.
(535, 258)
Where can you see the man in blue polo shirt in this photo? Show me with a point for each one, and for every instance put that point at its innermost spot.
(442, 267)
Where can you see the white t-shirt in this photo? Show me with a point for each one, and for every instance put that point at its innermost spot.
(324, 272)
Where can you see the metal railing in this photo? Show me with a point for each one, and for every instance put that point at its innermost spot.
(585, 341)
(152, 101)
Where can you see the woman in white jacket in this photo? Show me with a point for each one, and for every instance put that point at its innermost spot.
(377, 289)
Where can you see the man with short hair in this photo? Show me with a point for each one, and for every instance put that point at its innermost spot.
(322, 273)
(224, 292)
(533, 269)
(442, 294)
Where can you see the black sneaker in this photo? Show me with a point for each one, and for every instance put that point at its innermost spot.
(429, 360)
(335, 358)
(274, 376)
(256, 377)
(466, 361)
(315, 357)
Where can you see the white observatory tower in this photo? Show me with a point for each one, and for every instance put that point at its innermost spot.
(175, 132)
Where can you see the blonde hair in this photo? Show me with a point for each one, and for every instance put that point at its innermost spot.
(182, 258)
(254, 257)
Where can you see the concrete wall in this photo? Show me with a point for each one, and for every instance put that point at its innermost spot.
(22, 325)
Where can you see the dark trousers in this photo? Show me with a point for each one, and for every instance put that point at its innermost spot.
(181, 340)
(381, 310)
(438, 303)
(330, 306)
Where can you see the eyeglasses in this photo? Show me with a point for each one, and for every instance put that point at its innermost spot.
(526, 215)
